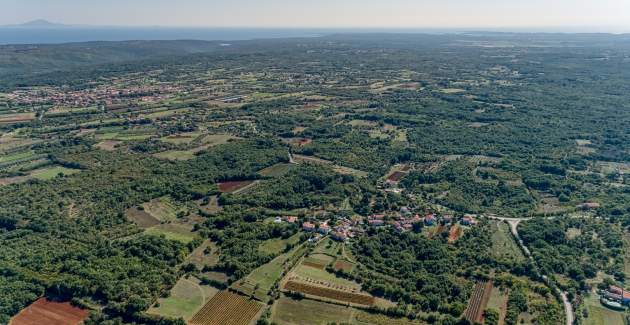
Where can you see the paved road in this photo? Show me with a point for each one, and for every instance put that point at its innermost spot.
(513, 222)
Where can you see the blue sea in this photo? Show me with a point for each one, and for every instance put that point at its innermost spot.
(21, 35)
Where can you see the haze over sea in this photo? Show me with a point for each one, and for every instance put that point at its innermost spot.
(53, 35)
(11, 35)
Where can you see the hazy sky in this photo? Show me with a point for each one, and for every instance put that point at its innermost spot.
(607, 14)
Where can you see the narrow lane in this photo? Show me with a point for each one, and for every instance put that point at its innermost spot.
(514, 222)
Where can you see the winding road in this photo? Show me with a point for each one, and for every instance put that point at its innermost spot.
(514, 222)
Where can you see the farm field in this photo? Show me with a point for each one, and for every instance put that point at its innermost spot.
(52, 172)
(121, 136)
(174, 232)
(13, 180)
(44, 311)
(478, 301)
(264, 277)
(227, 308)
(141, 218)
(328, 293)
(206, 254)
(185, 299)
(321, 276)
(234, 186)
(277, 245)
(498, 301)
(365, 318)
(108, 145)
(346, 266)
(16, 118)
(163, 209)
(16, 156)
(288, 311)
(276, 170)
(207, 141)
(327, 246)
(337, 168)
(176, 155)
(454, 233)
(211, 206)
(503, 244)
(319, 261)
(181, 138)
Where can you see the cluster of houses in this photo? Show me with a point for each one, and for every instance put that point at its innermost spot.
(615, 297)
(341, 231)
(88, 97)
(347, 228)
(405, 219)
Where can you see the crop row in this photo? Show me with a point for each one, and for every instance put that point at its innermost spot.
(226, 308)
(339, 295)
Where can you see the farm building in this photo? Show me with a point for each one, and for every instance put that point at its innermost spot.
(617, 294)
(468, 220)
(376, 220)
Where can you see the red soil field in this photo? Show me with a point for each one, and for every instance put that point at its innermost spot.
(229, 187)
(44, 311)
(303, 142)
(343, 265)
(396, 176)
(454, 234)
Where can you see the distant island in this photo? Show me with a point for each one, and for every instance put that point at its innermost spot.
(38, 23)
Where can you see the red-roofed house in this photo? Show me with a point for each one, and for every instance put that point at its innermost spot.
(307, 226)
(291, 219)
(324, 229)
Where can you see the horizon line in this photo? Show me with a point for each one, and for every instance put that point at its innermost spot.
(607, 29)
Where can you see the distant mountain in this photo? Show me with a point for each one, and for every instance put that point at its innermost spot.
(38, 23)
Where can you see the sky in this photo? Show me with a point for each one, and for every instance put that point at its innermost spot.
(599, 15)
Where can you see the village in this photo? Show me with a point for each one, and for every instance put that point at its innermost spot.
(346, 228)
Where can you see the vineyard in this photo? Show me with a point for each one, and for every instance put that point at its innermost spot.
(227, 308)
(478, 301)
(338, 295)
